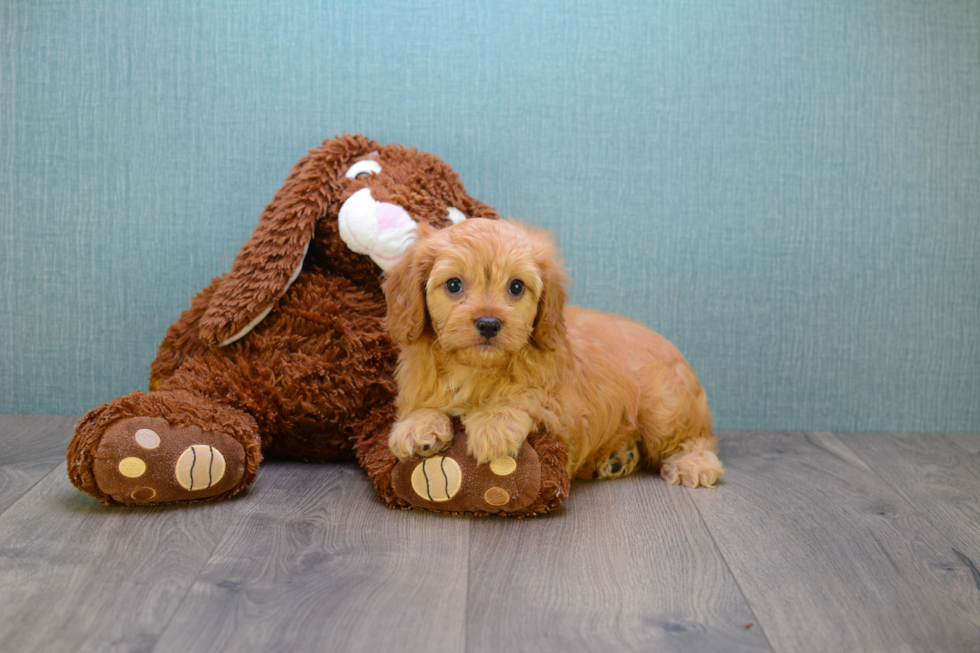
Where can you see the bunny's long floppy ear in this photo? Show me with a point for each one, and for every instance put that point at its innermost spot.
(272, 259)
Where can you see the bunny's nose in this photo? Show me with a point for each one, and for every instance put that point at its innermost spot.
(488, 326)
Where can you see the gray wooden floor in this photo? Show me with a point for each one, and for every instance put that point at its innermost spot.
(814, 542)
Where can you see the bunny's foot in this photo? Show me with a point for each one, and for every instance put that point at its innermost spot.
(163, 458)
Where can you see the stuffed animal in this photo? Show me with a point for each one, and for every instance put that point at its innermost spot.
(287, 356)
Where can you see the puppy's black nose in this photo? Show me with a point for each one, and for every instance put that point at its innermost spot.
(488, 326)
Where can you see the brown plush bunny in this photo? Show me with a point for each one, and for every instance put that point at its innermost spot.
(287, 355)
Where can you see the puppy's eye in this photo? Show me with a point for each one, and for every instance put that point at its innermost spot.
(454, 286)
(516, 288)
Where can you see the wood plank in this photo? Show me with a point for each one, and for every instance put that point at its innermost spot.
(30, 447)
(624, 565)
(968, 442)
(79, 576)
(829, 556)
(938, 474)
(315, 563)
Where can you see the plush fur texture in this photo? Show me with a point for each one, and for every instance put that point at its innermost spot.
(312, 380)
(479, 310)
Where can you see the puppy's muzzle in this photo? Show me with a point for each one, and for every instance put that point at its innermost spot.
(488, 326)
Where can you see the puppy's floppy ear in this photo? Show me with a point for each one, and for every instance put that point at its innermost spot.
(549, 324)
(270, 261)
(404, 289)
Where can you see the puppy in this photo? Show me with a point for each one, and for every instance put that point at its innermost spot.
(479, 312)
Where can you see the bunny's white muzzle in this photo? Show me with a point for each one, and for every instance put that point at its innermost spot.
(380, 230)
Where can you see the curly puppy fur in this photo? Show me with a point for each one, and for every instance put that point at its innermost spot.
(479, 311)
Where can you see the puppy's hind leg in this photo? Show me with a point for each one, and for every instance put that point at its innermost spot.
(621, 462)
(676, 426)
(695, 464)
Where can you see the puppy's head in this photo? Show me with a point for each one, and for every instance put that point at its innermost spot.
(481, 290)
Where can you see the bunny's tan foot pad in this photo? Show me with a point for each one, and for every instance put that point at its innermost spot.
(146, 460)
(533, 482)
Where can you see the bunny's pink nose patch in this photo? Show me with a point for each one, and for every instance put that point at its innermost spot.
(392, 216)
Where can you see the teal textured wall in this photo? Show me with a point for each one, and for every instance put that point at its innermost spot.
(790, 191)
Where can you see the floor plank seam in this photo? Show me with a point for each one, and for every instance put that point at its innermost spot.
(924, 515)
(25, 493)
(738, 585)
(197, 575)
(45, 432)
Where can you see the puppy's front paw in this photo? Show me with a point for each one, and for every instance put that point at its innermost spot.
(422, 433)
(495, 432)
